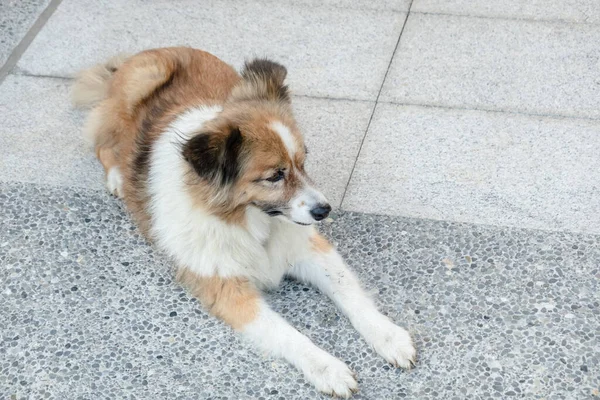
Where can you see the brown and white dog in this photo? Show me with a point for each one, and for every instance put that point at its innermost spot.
(211, 166)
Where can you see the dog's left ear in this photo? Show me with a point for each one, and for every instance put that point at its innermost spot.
(262, 79)
(215, 156)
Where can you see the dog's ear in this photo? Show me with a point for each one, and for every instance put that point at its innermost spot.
(215, 156)
(262, 79)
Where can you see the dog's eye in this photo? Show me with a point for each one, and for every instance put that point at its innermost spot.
(279, 175)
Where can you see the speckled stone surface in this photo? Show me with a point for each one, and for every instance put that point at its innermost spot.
(90, 311)
(16, 17)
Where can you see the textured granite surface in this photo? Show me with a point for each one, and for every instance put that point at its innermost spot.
(534, 67)
(335, 51)
(90, 311)
(479, 167)
(16, 17)
(586, 11)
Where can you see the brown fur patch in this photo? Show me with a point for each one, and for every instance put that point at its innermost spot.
(233, 300)
(107, 157)
(139, 99)
(320, 244)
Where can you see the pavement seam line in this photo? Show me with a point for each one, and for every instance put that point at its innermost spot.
(490, 110)
(43, 76)
(308, 96)
(499, 17)
(23, 45)
(375, 105)
(398, 103)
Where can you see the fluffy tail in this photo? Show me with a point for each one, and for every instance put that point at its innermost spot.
(91, 85)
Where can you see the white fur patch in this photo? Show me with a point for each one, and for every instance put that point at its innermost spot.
(273, 334)
(390, 341)
(194, 238)
(286, 137)
(114, 181)
(304, 201)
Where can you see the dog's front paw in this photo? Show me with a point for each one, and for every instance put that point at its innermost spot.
(392, 343)
(331, 376)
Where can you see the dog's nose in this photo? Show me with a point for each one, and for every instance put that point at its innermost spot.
(320, 212)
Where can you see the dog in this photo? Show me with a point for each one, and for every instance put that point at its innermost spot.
(210, 164)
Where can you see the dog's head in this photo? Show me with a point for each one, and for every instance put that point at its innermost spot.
(254, 154)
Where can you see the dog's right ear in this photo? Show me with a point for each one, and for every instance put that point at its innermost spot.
(262, 79)
(215, 156)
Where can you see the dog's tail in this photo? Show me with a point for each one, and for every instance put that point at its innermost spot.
(91, 85)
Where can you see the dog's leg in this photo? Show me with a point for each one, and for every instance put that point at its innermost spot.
(114, 178)
(239, 304)
(325, 269)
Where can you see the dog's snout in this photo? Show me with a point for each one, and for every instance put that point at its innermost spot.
(321, 211)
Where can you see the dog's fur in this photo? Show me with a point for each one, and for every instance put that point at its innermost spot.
(211, 166)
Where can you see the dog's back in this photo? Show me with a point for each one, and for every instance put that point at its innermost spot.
(123, 87)
(134, 99)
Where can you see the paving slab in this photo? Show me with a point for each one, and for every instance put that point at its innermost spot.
(329, 51)
(510, 65)
(91, 311)
(481, 167)
(584, 11)
(46, 146)
(16, 17)
(40, 136)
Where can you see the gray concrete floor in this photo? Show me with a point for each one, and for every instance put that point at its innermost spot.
(458, 140)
